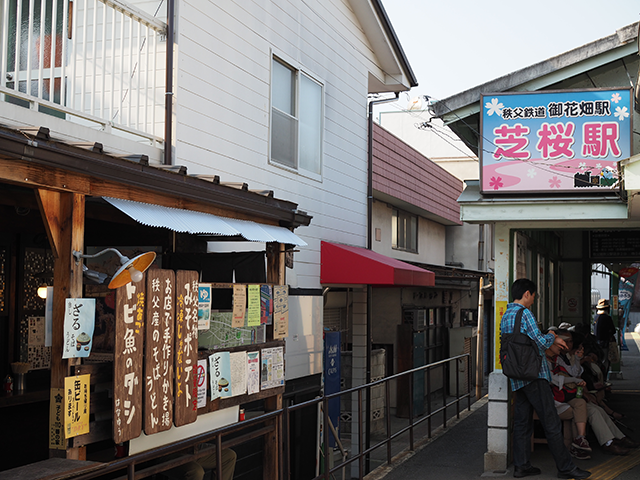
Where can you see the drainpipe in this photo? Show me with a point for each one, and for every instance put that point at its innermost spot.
(369, 244)
(168, 98)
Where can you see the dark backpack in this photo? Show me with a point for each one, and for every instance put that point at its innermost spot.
(519, 355)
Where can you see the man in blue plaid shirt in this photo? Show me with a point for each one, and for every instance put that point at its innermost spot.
(535, 395)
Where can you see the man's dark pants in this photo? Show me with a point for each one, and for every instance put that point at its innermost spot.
(537, 396)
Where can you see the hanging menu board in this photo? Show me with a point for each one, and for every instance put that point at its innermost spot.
(160, 311)
(128, 362)
(186, 348)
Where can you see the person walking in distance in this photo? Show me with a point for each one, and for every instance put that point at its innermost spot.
(535, 395)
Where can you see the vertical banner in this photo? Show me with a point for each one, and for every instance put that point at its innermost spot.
(76, 405)
(280, 311)
(332, 379)
(79, 322)
(56, 419)
(160, 319)
(128, 380)
(239, 305)
(186, 348)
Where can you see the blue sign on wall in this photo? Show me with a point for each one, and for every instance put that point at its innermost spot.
(560, 141)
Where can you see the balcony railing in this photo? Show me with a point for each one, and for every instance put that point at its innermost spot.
(276, 425)
(96, 62)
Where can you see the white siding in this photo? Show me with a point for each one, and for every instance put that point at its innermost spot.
(222, 96)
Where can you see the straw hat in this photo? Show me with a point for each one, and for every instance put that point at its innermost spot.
(603, 304)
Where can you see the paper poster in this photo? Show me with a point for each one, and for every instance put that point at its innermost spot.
(266, 305)
(253, 305)
(220, 371)
(56, 419)
(204, 306)
(280, 311)
(39, 355)
(238, 363)
(253, 372)
(272, 368)
(79, 322)
(239, 305)
(76, 405)
(201, 375)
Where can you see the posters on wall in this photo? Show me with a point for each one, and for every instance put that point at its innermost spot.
(220, 373)
(266, 305)
(280, 311)
(79, 322)
(272, 368)
(201, 375)
(239, 305)
(238, 368)
(39, 355)
(253, 372)
(76, 405)
(204, 306)
(253, 305)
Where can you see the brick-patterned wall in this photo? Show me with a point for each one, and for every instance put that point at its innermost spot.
(403, 173)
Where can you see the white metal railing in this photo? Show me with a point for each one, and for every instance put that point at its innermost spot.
(97, 60)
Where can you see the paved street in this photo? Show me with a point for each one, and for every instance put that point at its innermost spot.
(458, 452)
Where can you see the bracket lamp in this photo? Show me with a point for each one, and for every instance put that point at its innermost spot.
(131, 270)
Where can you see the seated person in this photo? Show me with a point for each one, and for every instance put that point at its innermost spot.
(196, 470)
(611, 439)
(567, 404)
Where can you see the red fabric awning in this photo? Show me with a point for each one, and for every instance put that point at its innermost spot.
(343, 264)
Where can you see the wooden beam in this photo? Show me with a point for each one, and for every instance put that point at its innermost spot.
(31, 175)
(49, 204)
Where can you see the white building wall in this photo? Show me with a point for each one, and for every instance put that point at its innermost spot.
(431, 238)
(223, 108)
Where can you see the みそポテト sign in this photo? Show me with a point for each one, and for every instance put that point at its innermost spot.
(548, 142)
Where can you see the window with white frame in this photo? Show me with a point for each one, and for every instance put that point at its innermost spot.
(296, 119)
(404, 231)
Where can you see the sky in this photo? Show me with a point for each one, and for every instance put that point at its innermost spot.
(458, 44)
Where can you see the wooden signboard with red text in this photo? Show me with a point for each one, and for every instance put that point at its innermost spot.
(160, 319)
(186, 348)
(128, 362)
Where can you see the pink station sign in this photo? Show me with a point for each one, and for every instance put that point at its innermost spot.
(554, 141)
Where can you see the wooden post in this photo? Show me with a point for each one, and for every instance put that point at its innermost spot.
(271, 463)
(63, 216)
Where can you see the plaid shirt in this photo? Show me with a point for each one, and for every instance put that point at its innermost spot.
(529, 327)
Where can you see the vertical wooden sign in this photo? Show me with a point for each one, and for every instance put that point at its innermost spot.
(160, 320)
(186, 348)
(128, 379)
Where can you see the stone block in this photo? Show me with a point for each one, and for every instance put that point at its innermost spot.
(497, 440)
(498, 414)
(498, 386)
(495, 461)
